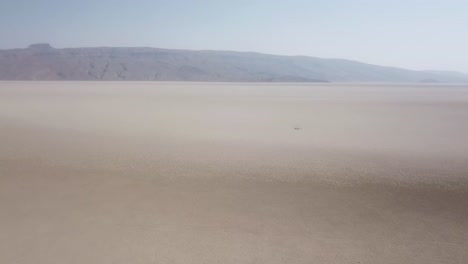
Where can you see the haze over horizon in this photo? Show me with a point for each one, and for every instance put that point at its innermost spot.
(233, 131)
(415, 34)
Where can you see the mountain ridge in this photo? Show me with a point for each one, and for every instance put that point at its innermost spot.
(43, 62)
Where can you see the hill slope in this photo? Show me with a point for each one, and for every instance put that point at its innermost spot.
(43, 62)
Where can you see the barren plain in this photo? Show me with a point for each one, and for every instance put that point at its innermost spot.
(155, 172)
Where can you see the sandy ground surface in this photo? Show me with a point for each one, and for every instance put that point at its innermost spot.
(137, 172)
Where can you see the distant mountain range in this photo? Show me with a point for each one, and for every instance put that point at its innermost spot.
(43, 62)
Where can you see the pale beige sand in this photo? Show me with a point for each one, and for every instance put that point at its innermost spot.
(108, 172)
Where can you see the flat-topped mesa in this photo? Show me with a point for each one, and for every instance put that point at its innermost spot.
(41, 46)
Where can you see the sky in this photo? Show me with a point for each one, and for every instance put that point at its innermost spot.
(413, 34)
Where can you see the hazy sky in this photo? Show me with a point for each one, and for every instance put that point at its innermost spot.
(415, 34)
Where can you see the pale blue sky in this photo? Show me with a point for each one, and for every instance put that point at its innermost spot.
(415, 34)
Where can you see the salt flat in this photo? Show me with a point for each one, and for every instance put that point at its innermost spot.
(154, 172)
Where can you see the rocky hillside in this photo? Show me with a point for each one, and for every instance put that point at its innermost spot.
(43, 62)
